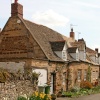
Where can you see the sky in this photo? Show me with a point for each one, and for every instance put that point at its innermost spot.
(61, 15)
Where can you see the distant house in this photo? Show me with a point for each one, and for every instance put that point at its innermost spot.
(26, 45)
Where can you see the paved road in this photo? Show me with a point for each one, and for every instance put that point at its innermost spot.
(89, 97)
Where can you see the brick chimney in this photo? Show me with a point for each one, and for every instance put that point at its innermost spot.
(16, 9)
(72, 34)
(96, 49)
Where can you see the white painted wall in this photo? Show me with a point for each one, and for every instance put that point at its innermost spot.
(59, 53)
(43, 77)
(65, 47)
(82, 55)
(99, 60)
(64, 53)
(92, 58)
(51, 88)
(73, 55)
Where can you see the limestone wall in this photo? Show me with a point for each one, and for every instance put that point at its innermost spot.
(73, 72)
(11, 90)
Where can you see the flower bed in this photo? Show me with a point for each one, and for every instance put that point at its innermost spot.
(35, 96)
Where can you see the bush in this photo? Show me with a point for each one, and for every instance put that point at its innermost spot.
(21, 98)
(86, 84)
(53, 96)
(75, 89)
(67, 94)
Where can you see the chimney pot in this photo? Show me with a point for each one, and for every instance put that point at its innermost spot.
(72, 34)
(96, 49)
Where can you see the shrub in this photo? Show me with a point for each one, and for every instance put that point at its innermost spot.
(75, 89)
(68, 94)
(21, 98)
(53, 96)
(86, 84)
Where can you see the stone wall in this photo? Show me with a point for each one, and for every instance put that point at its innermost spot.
(82, 66)
(17, 42)
(11, 90)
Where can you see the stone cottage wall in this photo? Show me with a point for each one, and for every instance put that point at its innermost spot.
(73, 71)
(57, 68)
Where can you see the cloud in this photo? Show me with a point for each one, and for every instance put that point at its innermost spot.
(50, 18)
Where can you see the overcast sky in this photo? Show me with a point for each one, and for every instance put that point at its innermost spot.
(84, 15)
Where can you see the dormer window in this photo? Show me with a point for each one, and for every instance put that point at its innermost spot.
(59, 48)
(74, 52)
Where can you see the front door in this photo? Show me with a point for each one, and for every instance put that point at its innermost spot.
(53, 83)
(51, 88)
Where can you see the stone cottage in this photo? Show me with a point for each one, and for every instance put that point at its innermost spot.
(62, 61)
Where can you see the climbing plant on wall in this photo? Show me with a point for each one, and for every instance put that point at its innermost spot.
(89, 73)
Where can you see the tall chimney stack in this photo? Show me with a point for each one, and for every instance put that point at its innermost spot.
(72, 34)
(16, 9)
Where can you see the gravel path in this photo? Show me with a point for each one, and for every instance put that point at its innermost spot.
(89, 97)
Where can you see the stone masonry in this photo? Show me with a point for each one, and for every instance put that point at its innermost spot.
(11, 90)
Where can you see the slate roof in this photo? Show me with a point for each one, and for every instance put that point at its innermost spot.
(57, 45)
(90, 52)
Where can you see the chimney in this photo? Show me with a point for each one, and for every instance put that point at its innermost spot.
(72, 34)
(96, 49)
(16, 9)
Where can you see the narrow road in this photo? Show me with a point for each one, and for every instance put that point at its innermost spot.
(89, 97)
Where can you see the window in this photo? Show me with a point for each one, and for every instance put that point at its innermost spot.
(85, 75)
(79, 75)
(64, 79)
(93, 75)
(64, 55)
(97, 74)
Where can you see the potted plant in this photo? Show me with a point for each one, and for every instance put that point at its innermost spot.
(53, 96)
